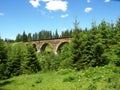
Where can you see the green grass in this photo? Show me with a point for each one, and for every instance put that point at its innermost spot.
(99, 78)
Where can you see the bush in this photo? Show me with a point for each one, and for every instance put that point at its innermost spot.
(39, 80)
(69, 79)
(67, 63)
(49, 61)
(117, 62)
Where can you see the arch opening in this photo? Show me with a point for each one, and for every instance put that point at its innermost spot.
(46, 48)
(35, 47)
(61, 46)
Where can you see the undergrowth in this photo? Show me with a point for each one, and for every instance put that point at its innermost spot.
(98, 78)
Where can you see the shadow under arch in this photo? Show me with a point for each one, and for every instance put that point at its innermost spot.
(46, 48)
(34, 46)
(59, 48)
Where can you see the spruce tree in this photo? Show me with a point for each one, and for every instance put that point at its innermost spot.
(3, 59)
(30, 63)
(16, 57)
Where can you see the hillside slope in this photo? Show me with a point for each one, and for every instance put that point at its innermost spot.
(98, 78)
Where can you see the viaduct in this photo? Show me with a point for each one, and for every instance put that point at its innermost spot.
(54, 43)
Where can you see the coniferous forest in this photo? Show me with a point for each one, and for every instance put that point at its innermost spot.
(90, 51)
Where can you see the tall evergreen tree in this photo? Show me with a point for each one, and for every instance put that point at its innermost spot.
(3, 59)
(30, 63)
(16, 56)
(117, 30)
(18, 38)
(79, 41)
(56, 34)
(24, 37)
(76, 24)
(29, 37)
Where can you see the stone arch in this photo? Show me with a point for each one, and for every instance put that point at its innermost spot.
(58, 49)
(43, 47)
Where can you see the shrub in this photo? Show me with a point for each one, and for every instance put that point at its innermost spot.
(69, 79)
(67, 63)
(117, 62)
(39, 80)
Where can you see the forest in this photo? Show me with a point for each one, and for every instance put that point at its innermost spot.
(95, 48)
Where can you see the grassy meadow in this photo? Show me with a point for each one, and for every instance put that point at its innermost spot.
(98, 78)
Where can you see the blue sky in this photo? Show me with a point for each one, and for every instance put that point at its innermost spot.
(32, 16)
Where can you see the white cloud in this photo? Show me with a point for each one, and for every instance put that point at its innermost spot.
(88, 9)
(54, 5)
(1, 14)
(51, 5)
(46, 0)
(88, 1)
(35, 3)
(64, 15)
(107, 0)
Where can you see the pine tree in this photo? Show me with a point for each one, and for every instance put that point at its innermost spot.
(24, 37)
(16, 57)
(56, 34)
(29, 37)
(18, 38)
(31, 64)
(3, 59)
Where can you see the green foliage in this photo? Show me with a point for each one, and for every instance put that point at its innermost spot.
(3, 59)
(18, 38)
(18, 59)
(43, 34)
(69, 79)
(65, 71)
(117, 51)
(67, 33)
(99, 58)
(49, 61)
(78, 49)
(65, 56)
(47, 49)
(94, 47)
(92, 87)
(97, 78)
(24, 37)
(56, 34)
(29, 37)
(55, 62)
(98, 46)
(16, 56)
(3, 52)
(30, 63)
(66, 63)
(38, 80)
(117, 62)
